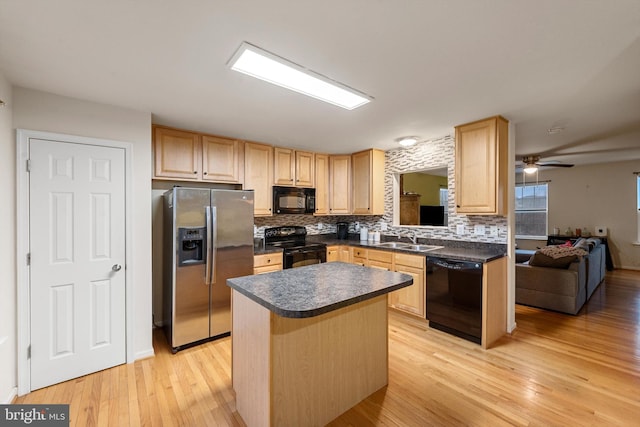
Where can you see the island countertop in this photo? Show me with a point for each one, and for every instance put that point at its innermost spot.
(316, 289)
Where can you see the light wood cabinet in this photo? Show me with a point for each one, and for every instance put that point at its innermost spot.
(267, 262)
(359, 256)
(322, 184)
(481, 167)
(380, 259)
(177, 154)
(293, 168)
(340, 185)
(305, 169)
(190, 156)
(338, 253)
(258, 166)
(411, 299)
(368, 182)
(222, 159)
(494, 301)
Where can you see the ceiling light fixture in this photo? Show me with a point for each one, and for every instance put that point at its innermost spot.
(529, 169)
(263, 65)
(407, 141)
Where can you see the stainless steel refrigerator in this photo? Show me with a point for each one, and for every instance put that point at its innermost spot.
(208, 238)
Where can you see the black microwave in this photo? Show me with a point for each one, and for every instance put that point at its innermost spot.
(292, 200)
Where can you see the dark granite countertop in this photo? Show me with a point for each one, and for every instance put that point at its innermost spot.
(459, 250)
(316, 289)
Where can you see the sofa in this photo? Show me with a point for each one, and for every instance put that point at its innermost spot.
(563, 284)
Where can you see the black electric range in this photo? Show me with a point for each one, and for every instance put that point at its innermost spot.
(296, 251)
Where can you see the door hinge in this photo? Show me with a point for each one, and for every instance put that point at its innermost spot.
(29, 352)
(29, 258)
(28, 165)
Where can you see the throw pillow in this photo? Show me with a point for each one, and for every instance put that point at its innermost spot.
(556, 256)
(541, 260)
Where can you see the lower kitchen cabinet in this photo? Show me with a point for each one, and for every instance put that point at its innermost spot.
(338, 253)
(380, 259)
(411, 299)
(359, 256)
(267, 262)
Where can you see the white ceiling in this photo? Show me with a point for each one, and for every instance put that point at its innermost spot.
(429, 64)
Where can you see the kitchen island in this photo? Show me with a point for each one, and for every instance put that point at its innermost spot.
(309, 343)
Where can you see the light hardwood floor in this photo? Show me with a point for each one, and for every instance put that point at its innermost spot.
(555, 369)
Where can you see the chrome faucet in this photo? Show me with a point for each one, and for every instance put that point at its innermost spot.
(414, 238)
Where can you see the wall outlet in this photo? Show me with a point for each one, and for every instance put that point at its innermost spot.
(383, 226)
(479, 230)
(459, 229)
(493, 230)
(319, 226)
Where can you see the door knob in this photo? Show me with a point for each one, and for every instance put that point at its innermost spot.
(116, 267)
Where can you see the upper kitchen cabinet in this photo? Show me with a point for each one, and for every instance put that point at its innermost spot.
(183, 155)
(222, 159)
(177, 154)
(322, 184)
(368, 182)
(293, 168)
(340, 185)
(258, 165)
(481, 167)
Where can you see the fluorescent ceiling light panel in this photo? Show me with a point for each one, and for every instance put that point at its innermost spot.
(271, 68)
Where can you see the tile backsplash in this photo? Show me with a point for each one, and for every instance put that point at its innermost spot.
(425, 155)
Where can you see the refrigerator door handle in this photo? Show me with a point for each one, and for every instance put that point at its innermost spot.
(214, 243)
(208, 257)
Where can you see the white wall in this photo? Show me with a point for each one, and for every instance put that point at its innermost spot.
(596, 195)
(8, 329)
(35, 110)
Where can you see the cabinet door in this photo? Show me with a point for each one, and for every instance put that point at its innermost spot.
(283, 166)
(339, 185)
(305, 169)
(322, 184)
(333, 253)
(410, 299)
(345, 253)
(221, 159)
(258, 167)
(177, 154)
(481, 161)
(368, 182)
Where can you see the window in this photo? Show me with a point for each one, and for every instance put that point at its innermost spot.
(531, 211)
(444, 197)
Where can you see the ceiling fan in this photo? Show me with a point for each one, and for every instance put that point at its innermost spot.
(530, 164)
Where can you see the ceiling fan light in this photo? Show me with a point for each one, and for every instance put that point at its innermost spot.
(529, 169)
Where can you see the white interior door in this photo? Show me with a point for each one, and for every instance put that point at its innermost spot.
(77, 246)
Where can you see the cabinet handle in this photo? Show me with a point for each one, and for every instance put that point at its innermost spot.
(205, 173)
(195, 171)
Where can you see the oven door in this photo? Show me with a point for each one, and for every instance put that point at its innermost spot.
(301, 257)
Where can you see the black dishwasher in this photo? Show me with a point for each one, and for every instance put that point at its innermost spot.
(454, 297)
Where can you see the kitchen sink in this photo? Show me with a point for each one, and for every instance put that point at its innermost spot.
(422, 248)
(394, 245)
(409, 246)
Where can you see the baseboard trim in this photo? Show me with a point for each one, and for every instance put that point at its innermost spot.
(144, 354)
(13, 393)
(628, 267)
